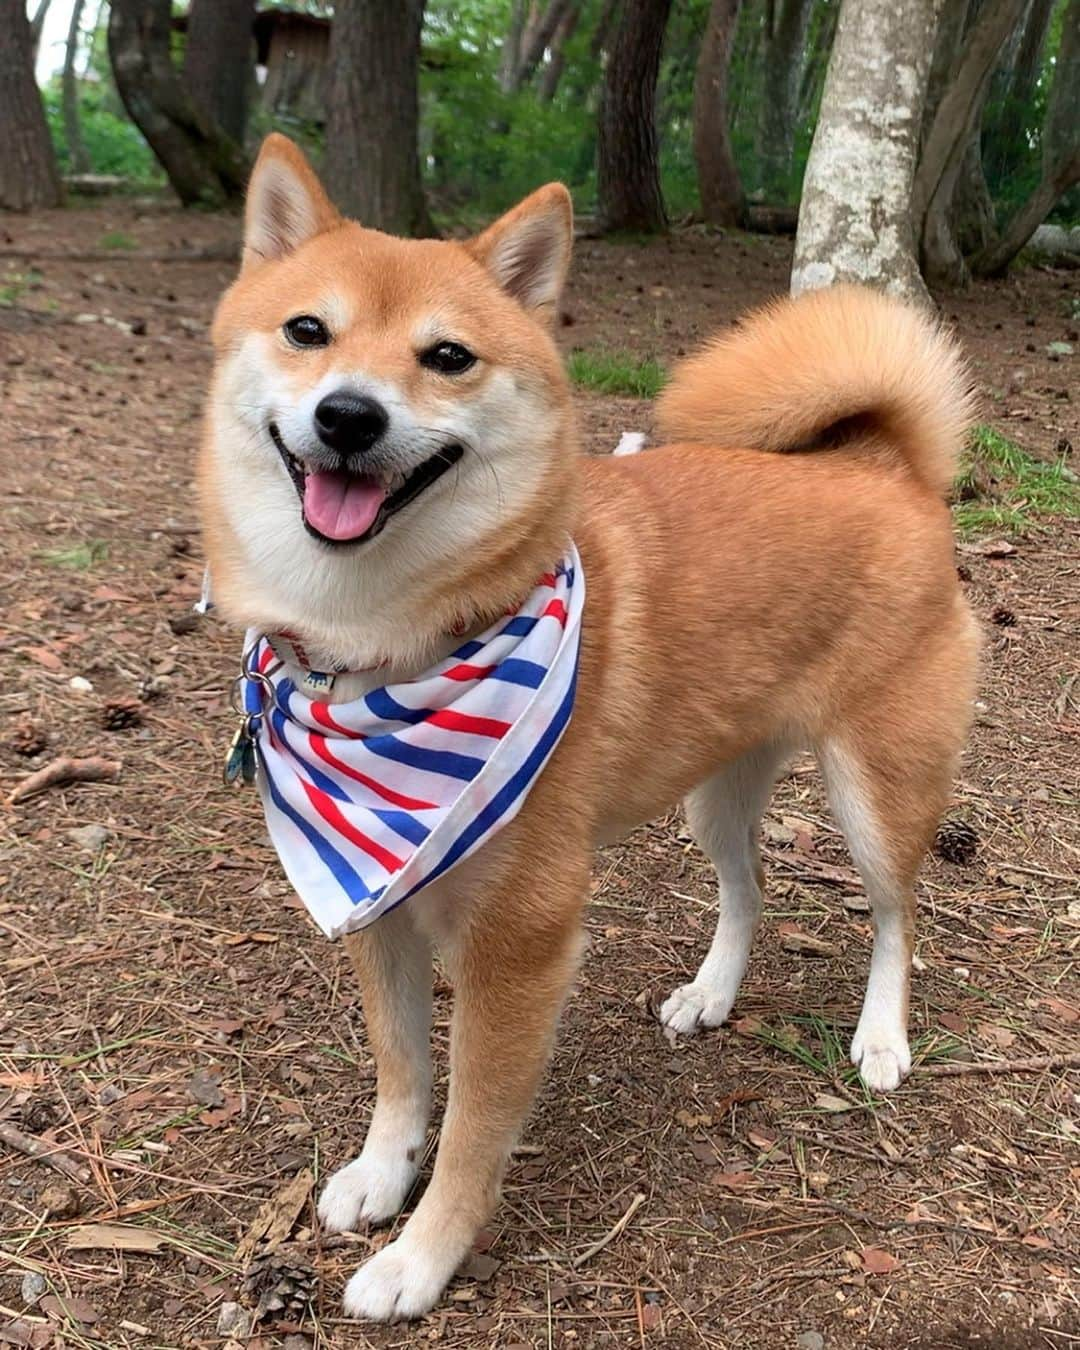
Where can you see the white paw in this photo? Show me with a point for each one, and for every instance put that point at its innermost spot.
(371, 1189)
(881, 1056)
(694, 1006)
(401, 1281)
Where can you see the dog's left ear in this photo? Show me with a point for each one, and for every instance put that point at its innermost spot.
(527, 251)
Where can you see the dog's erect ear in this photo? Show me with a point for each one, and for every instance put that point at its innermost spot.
(527, 251)
(286, 203)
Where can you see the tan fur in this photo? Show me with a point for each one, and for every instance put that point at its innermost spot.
(735, 600)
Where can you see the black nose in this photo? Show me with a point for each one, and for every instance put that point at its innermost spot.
(349, 422)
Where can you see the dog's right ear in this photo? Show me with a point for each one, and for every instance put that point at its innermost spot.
(286, 203)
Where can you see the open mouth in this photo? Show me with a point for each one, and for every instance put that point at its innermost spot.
(350, 508)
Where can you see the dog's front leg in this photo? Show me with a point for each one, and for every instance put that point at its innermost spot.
(393, 960)
(510, 980)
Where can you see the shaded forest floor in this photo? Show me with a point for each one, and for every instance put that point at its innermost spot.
(170, 1017)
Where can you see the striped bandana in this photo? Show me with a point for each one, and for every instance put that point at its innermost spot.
(368, 801)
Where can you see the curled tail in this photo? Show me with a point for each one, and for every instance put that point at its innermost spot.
(812, 372)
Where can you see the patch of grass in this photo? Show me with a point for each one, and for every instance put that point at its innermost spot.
(610, 371)
(118, 239)
(1002, 487)
(13, 285)
(80, 558)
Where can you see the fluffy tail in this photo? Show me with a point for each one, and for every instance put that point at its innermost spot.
(812, 372)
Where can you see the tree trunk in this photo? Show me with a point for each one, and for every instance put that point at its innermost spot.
(28, 176)
(947, 46)
(854, 221)
(552, 72)
(204, 166)
(538, 37)
(37, 27)
(814, 67)
(1061, 153)
(602, 32)
(511, 48)
(219, 64)
(372, 133)
(956, 118)
(78, 159)
(974, 226)
(719, 185)
(628, 167)
(1005, 140)
(784, 54)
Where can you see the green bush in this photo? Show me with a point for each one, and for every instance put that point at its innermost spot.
(113, 143)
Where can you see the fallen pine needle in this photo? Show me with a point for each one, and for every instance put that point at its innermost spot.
(93, 769)
(42, 1151)
(612, 1233)
(1035, 1065)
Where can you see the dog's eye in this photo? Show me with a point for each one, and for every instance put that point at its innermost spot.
(306, 331)
(448, 358)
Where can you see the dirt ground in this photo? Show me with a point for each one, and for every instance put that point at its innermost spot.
(171, 1019)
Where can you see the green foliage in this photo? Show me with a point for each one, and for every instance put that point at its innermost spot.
(113, 142)
(117, 239)
(1002, 487)
(80, 558)
(615, 372)
(14, 284)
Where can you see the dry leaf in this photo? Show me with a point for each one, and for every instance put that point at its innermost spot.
(733, 1181)
(953, 1022)
(112, 1237)
(276, 1216)
(877, 1262)
(70, 1307)
(1064, 1010)
(691, 1121)
(834, 1105)
(1036, 1240)
(44, 657)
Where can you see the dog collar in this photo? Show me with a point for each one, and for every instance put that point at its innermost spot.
(368, 801)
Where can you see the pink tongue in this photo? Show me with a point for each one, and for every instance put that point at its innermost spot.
(341, 505)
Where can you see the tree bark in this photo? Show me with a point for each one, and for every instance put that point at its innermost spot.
(538, 36)
(78, 159)
(552, 72)
(511, 48)
(719, 184)
(1061, 153)
(974, 226)
(204, 166)
(628, 166)
(219, 61)
(784, 55)
(28, 176)
(1004, 137)
(957, 112)
(854, 221)
(37, 27)
(372, 133)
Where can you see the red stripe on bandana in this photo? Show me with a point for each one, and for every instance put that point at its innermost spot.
(319, 745)
(327, 808)
(449, 720)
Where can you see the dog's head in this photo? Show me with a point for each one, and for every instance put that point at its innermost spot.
(388, 416)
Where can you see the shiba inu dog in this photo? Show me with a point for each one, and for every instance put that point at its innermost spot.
(390, 461)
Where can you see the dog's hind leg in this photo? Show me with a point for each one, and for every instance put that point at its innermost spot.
(888, 783)
(394, 962)
(724, 814)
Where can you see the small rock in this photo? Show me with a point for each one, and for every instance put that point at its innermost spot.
(204, 1087)
(33, 1286)
(59, 1200)
(90, 837)
(296, 1342)
(233, 1321)
(810, 1340)
(80, 685)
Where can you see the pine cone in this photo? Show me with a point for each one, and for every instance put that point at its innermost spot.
(956, 842)
(279, 1284)
(28, 738)
(119, 713)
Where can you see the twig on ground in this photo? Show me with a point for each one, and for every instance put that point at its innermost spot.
(1034, 1065)
(42, 1151)
(612, 1233)
(93, 769)
(224, 253)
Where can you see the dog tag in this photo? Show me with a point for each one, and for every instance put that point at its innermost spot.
(241, 762)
